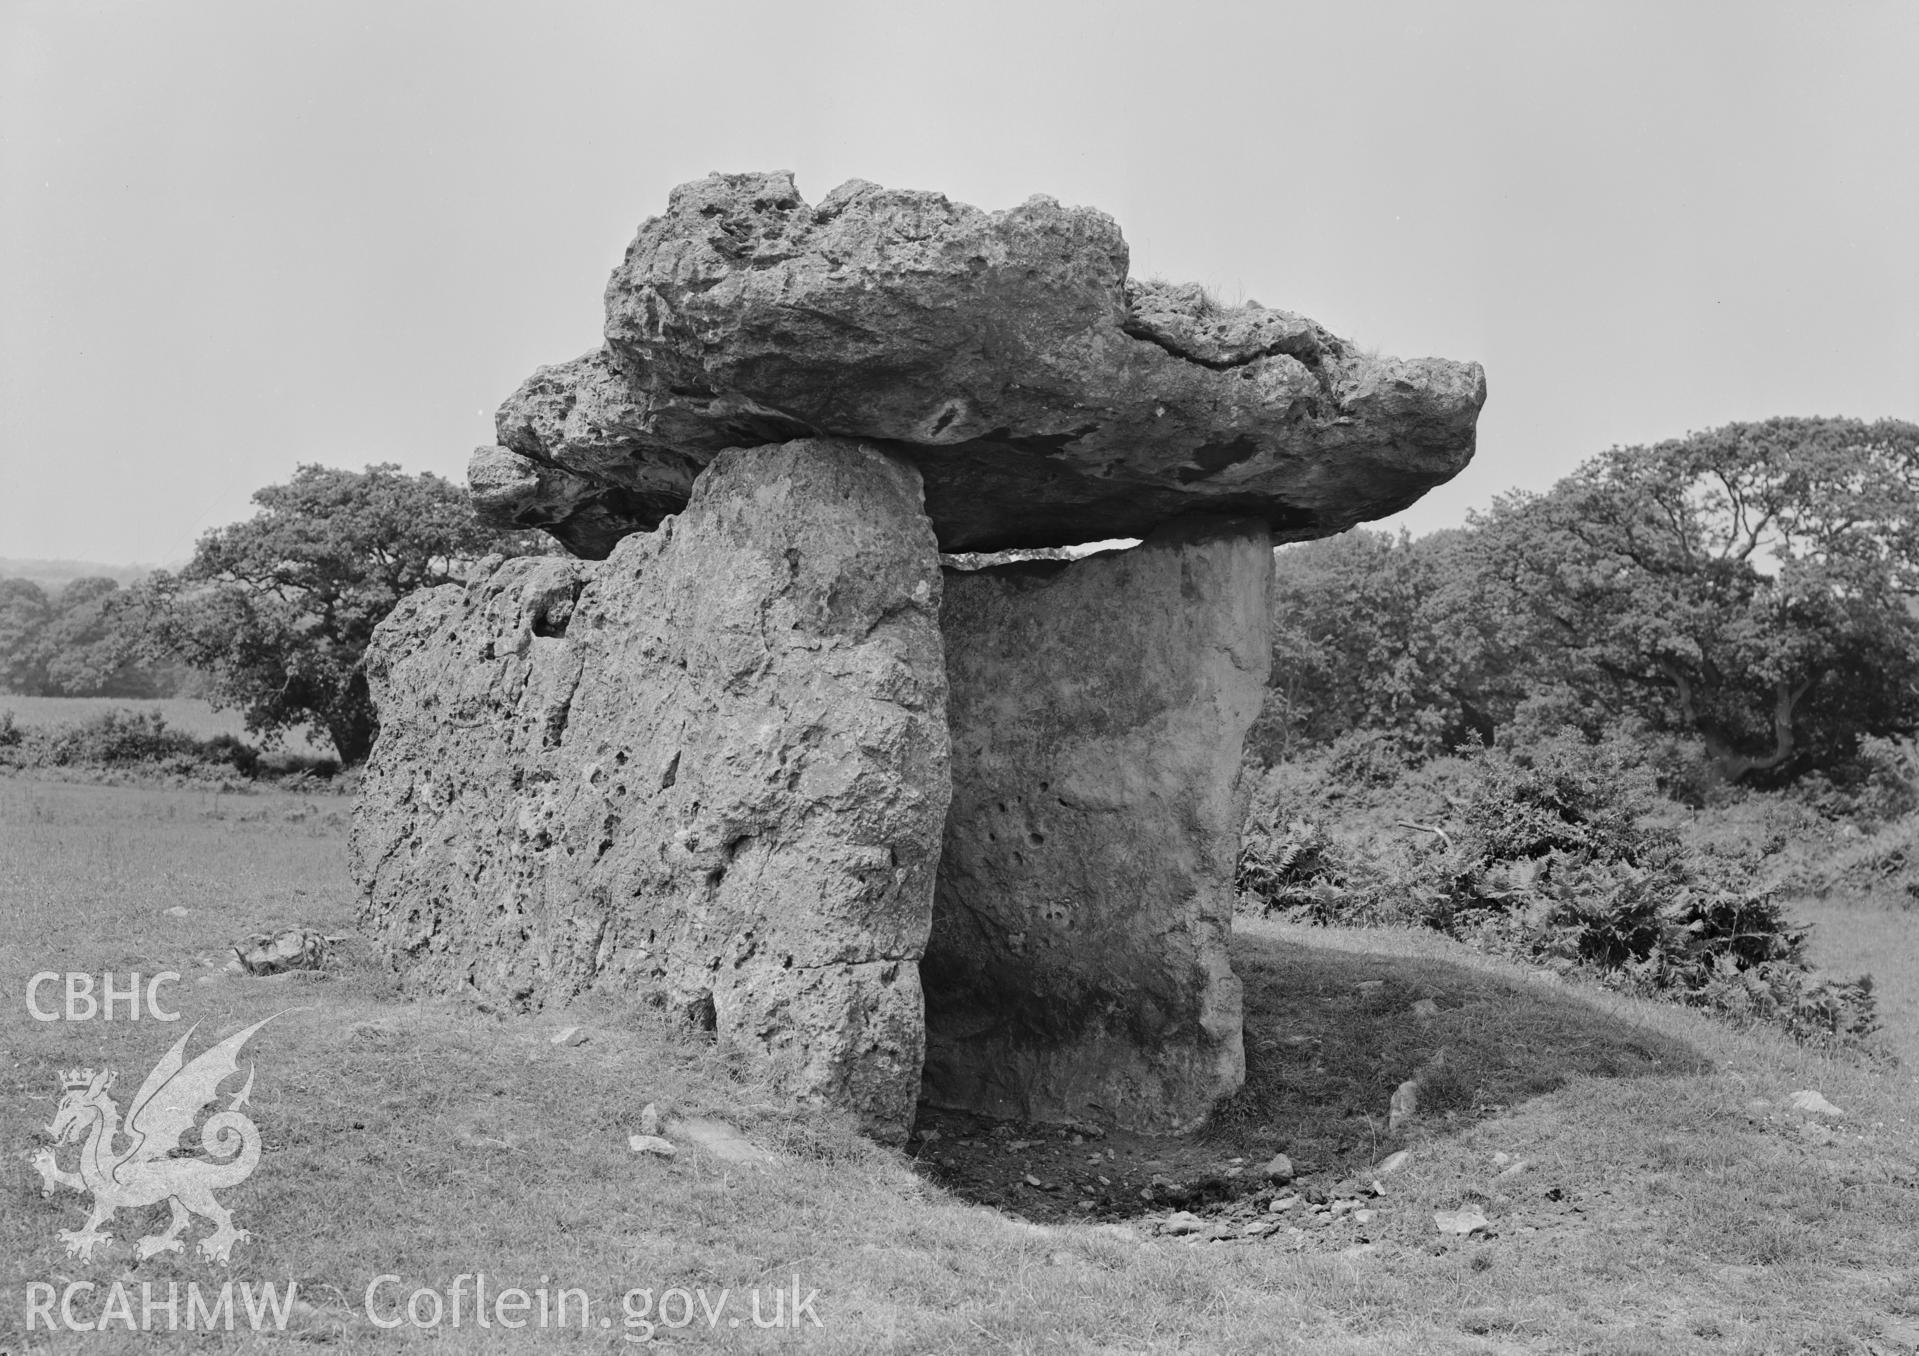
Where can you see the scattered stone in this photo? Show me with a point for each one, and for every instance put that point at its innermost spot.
(1259, 1227)
(372, 1036)
(649, 1119)
(1405, 1100)
(1376, 1187)
(1404, 1105)
(1182, 1222)
(1364, 1216)
(1033, 1181)
(1513, 1169)
(1279, 1168)
(1392, 1162)
(1813, 1104)
(278, 953)
(652, 1144)
(570, 1035)
(1425, 1009)
(1461, 1222)
(720, 1140)
(178, 911)
(1280, 1203)
(1501, 1158)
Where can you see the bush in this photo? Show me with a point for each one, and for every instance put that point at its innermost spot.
(1564, 795)
(1560, 858)
(1294, 866)
(122, 738)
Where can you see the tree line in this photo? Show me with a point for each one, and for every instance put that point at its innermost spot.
(1749, 591)
(272, 614)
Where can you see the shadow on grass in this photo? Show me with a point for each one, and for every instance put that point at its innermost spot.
(1323, 1057)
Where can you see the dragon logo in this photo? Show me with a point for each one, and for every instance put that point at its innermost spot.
(151, 1168)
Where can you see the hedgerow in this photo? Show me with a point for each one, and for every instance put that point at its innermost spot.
(1555, 853)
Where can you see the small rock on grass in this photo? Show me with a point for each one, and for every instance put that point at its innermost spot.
(1425, 1009)
(1404, 1105)
(652, 1144)
(568, 1035)
(1279, 1168)
(1461, 1222)
(649, 1119)
(1182, 1222)
(178, 911)
(1392, 1162)
(1813, 1104)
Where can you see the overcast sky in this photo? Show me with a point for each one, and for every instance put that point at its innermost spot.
(236, 236)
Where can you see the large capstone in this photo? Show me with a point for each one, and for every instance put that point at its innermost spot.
(709, 772)
(1046, 398)
(1077, 969)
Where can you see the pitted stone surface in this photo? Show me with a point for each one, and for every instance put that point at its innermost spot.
(1045, 398)
(1077, 969)
(711, 770)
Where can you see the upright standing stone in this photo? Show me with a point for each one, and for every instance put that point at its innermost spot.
(711, 769)
(1077, 967)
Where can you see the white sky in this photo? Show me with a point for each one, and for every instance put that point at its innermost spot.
(236, 236)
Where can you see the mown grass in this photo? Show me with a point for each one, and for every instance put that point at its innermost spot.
(1669, 1202)
(1875, 934)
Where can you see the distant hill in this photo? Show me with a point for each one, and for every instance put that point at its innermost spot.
(57, 574)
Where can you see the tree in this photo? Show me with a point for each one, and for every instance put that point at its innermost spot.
(1751, 585)
(1379, 633)
(279, 609)
(97, 644)
(25, 615)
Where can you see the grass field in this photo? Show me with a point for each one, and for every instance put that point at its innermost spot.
(1646, 1184)
(189, 714)
(1876, 935)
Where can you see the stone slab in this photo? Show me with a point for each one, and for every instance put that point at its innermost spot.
(709, 772)
(1078, 967)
